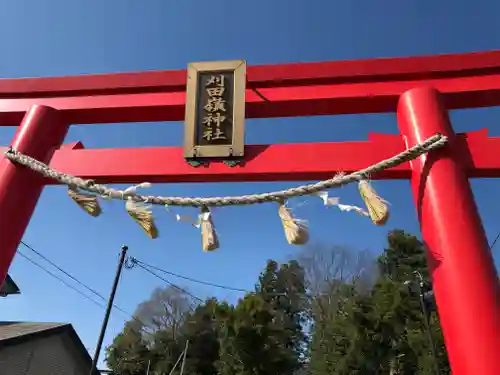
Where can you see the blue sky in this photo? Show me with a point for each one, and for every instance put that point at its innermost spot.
(60, 37)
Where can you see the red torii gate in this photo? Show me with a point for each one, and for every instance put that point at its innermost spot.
(419, 89)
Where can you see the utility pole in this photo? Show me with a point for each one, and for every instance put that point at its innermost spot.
(108, 309)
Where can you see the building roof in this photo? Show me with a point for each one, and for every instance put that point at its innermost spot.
(9, 287)
(12, 330)
(12, 333)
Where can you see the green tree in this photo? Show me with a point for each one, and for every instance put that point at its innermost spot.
(165, 350)
(155, 335)
(128, 354)
(283, 289)
(339, 280)
(263, 334)
(343, 339)
(335, 311)
(229, 362)
(397, 307)
(381, 331)
(201, 328)
(404, 255)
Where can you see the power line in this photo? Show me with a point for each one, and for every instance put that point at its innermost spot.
(60, 279)
(191, 279)
(494, 241)
(93, 291)
(171, 283)
(134, 261)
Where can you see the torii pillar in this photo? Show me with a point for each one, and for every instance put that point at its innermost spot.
(41, 132)
(461, 264)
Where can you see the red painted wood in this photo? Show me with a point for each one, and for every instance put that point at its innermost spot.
(41, 132)
(318, 161)
(313, 73)
(369, 86)
(271, 102)
(460, 262)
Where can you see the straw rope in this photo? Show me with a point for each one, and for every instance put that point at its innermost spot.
(434, 142)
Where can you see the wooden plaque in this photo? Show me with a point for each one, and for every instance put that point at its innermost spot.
(215, 110)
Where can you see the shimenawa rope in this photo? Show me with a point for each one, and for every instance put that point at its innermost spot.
(432, 143)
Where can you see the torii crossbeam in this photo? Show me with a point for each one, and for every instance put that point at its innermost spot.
(421, 90)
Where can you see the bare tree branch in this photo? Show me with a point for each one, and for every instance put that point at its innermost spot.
(329, 270)
(166, 310)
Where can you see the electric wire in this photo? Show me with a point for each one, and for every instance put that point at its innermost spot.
(192, 279)
(93, 291)
(60, 279)
(139, 263)
(171, 284)
(59, 268)
(494, 241)
(145, 266)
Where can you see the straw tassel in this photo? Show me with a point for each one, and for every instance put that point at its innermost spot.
(377, 207)
(296, 230)
(142, 215)
(209, 239)
(88, 202)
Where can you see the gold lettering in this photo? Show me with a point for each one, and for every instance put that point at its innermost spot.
(208, 134)
(216, 80)
(215, 104)
(219, 134)
(214, 107)
(215, 91)
(214, 119)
